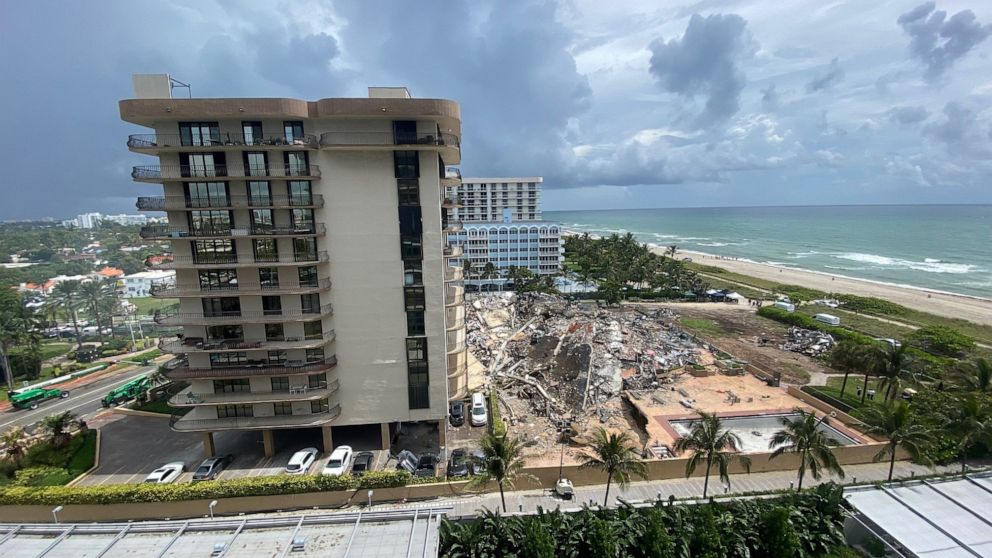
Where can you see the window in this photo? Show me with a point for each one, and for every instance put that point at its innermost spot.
(315, 355)
(302, 220)
(214, 251)
(415, 324)
(274, 332)
(240, 385)
(224, 360)
(310, 303)
(199, 133)
(300, 193)
(414, 298)
(404, 132)
(221, 307)
(256, 164)
(293, 130)
(268, 277)
(225, 332)
(210, 222)
(206, 194)
(259, 193)
(277, 357)
(313, 330)
(297, 163)
(413, 273)
(266, 249)
(416, 351)
(261, 221)
(304, 248)
(234, 411)
(410, 221)
(319, 406)
(282, 409)
(202, 164)
(252, 132)
(280, 383)
(411, 247)
(218, 279)
(271, 305)
(408, 191)
(308, 276)
(406, 164)
(317, 381)
(417, 373)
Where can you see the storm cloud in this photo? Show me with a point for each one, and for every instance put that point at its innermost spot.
(908, 115)
(833, 74)
(938, 41)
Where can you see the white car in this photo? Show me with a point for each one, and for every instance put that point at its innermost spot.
(166, 473)
(339, 462)
(301, 461)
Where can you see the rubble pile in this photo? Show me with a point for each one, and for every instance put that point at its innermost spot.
(808, 342)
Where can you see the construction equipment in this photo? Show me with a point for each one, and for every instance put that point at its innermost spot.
(127, 391)
(31, 398)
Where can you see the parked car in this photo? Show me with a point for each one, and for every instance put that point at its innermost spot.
(166, 473)
(458, 463)
(426, 465)
(407, 460)
(456, 414)
(476, 462)
(480, 416)
(340, 459)
(211, 467)
(362, 463)
(301, 461)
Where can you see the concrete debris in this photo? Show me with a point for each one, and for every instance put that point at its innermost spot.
(808, 342)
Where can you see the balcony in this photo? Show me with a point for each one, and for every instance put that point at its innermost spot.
(454, 295)
(451, 202)
(455, 341)
(177, 369)
(242, 260)
(454, 318)
(241, 317)
(165, 232)
(452, 226)
(181, 423)
(167, 173)
(303, 392)
(153, 144)
(454, 273)
(179, 203)
(452, 176)
(240, 290)
(453, 251)
(200, 345)
(365, 140)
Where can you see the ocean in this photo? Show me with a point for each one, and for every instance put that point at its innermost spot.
(941, 247)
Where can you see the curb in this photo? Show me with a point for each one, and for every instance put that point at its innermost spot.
(135, 412)
(96, 463)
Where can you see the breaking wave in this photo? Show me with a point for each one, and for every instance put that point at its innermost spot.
(929, 265)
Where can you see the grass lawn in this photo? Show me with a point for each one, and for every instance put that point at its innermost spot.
(859, 322)
(702, 325)
(55, 349)
(851, 397)
(148, 305)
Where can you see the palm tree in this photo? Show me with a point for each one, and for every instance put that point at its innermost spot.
(467, 268)
(976, 376)
(847, 357)
(615, 455)
(971, 421)
(93, 295)
(890, 365)
(896, 423)
(56, 427)
(502, 461)
(67, 296)
(804, 437)
(14, 442)
(671, 251)
(16, 325)
(709, 441)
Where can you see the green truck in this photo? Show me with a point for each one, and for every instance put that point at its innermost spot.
(127, 391)
(31, 398)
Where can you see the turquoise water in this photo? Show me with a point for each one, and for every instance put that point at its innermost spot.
(942, 247)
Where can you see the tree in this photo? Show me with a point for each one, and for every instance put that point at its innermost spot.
(975, 376)
(615, 455)
(502, 461)
(896, 423)
(710, 442)
(971, 421)
(671, 251)
(67, 296)
(98, 297)
(803, 436)
(847, 357)
(57, 426)
(15, 326)
(891, 366)
(467, 268)
(14, 442)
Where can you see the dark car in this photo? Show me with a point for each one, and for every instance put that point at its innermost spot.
(406, 460)
(456, 415)
(476, 462)
(427, 465)
(458, 463)
(362, 463)
(211, 467)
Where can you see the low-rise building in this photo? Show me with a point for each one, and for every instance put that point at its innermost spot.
(140, 284)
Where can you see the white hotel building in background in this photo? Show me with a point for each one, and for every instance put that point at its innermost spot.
(503, 225)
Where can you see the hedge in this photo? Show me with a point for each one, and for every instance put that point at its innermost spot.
(497, 425)
(144, 493)
(806, 321)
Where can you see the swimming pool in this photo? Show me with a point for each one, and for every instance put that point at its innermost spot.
(756, 431)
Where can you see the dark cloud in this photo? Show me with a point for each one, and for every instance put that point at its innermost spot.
(962, 133)
(300, 61)
(906, 116)
(706, 61)
(834, 74)
(954, 127)
(769, 99)
(939, 42)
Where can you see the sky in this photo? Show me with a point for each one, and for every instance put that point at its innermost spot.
(616, 104)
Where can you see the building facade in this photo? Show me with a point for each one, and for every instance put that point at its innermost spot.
(144, 283)
(486, 199)
(310, 246)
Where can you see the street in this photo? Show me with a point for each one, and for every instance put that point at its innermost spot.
(82, 401)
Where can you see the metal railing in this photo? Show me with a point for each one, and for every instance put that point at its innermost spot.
(165, 231)
(454, 295)
(303, 392)
(243, 259)
(452, 225)
(240, 289)
(451, 201)
(180, 423)
(452, 172)
(343, 138)
(454, 273)
(181, 371)
(453, 251)
(179, 172)
(220, 140)
(196, 344)
(182, 318)
(160, 203)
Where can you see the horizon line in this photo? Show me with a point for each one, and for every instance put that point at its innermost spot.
(980, 204)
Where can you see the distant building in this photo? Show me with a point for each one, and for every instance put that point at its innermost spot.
(140, 284)
(126, 220)
(110, 272)
(88, 220)
(485, 199)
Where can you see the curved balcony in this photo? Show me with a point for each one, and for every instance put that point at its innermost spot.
(452, 226)
(241, 260)
(240, 290)
(242, 317)
(452, 251)
(153, 144)
(165, 232)
(180, 203)
(388, 140)
(452, 273)
(200, 345)
(454, 295)
(303, 392)
(172, 173)
(450, 202)
(454, 317)
(177, 369)
(455, 341)
(185, 423)
(457, 361)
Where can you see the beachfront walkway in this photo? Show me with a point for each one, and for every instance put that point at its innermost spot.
(530, 500)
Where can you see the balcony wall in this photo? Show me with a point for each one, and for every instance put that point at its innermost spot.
(197, 423)
(290, 368)
(190, 398)
(241, 290)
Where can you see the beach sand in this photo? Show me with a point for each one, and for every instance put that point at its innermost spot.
(976, 310)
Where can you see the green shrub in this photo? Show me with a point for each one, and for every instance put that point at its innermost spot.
(41, 476)
(496, 424)
(806, 321)
(870, 305)
(797, 293)
(24, 364)
(114, 344)
(942, 341)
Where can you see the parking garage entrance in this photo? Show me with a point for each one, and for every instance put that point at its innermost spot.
(361, 437)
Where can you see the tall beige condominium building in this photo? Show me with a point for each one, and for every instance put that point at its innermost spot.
(310, 249)
(488, 199)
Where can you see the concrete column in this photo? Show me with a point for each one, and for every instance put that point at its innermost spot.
(442, 432)
(267, 444)
(208, 444)
(328, 438)
(384, 435)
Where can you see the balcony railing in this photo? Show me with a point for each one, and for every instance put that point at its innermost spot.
(181, 423)
(454, 273)
(240, 289)
(453, 251)
(452, 225)
(159, 203)
(182, 262)
(454, 295)
(335, 139)
(179, 172)
(452, 172)
(302, 392)
(199, 344)
(164, 231)
(181, 371)
(251, 316)
(221, 140)
(451, 202)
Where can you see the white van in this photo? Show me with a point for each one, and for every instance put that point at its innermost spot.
(828, 319)
(785, 305)
(478, 415)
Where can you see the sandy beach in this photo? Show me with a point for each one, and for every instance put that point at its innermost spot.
(942, 304)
